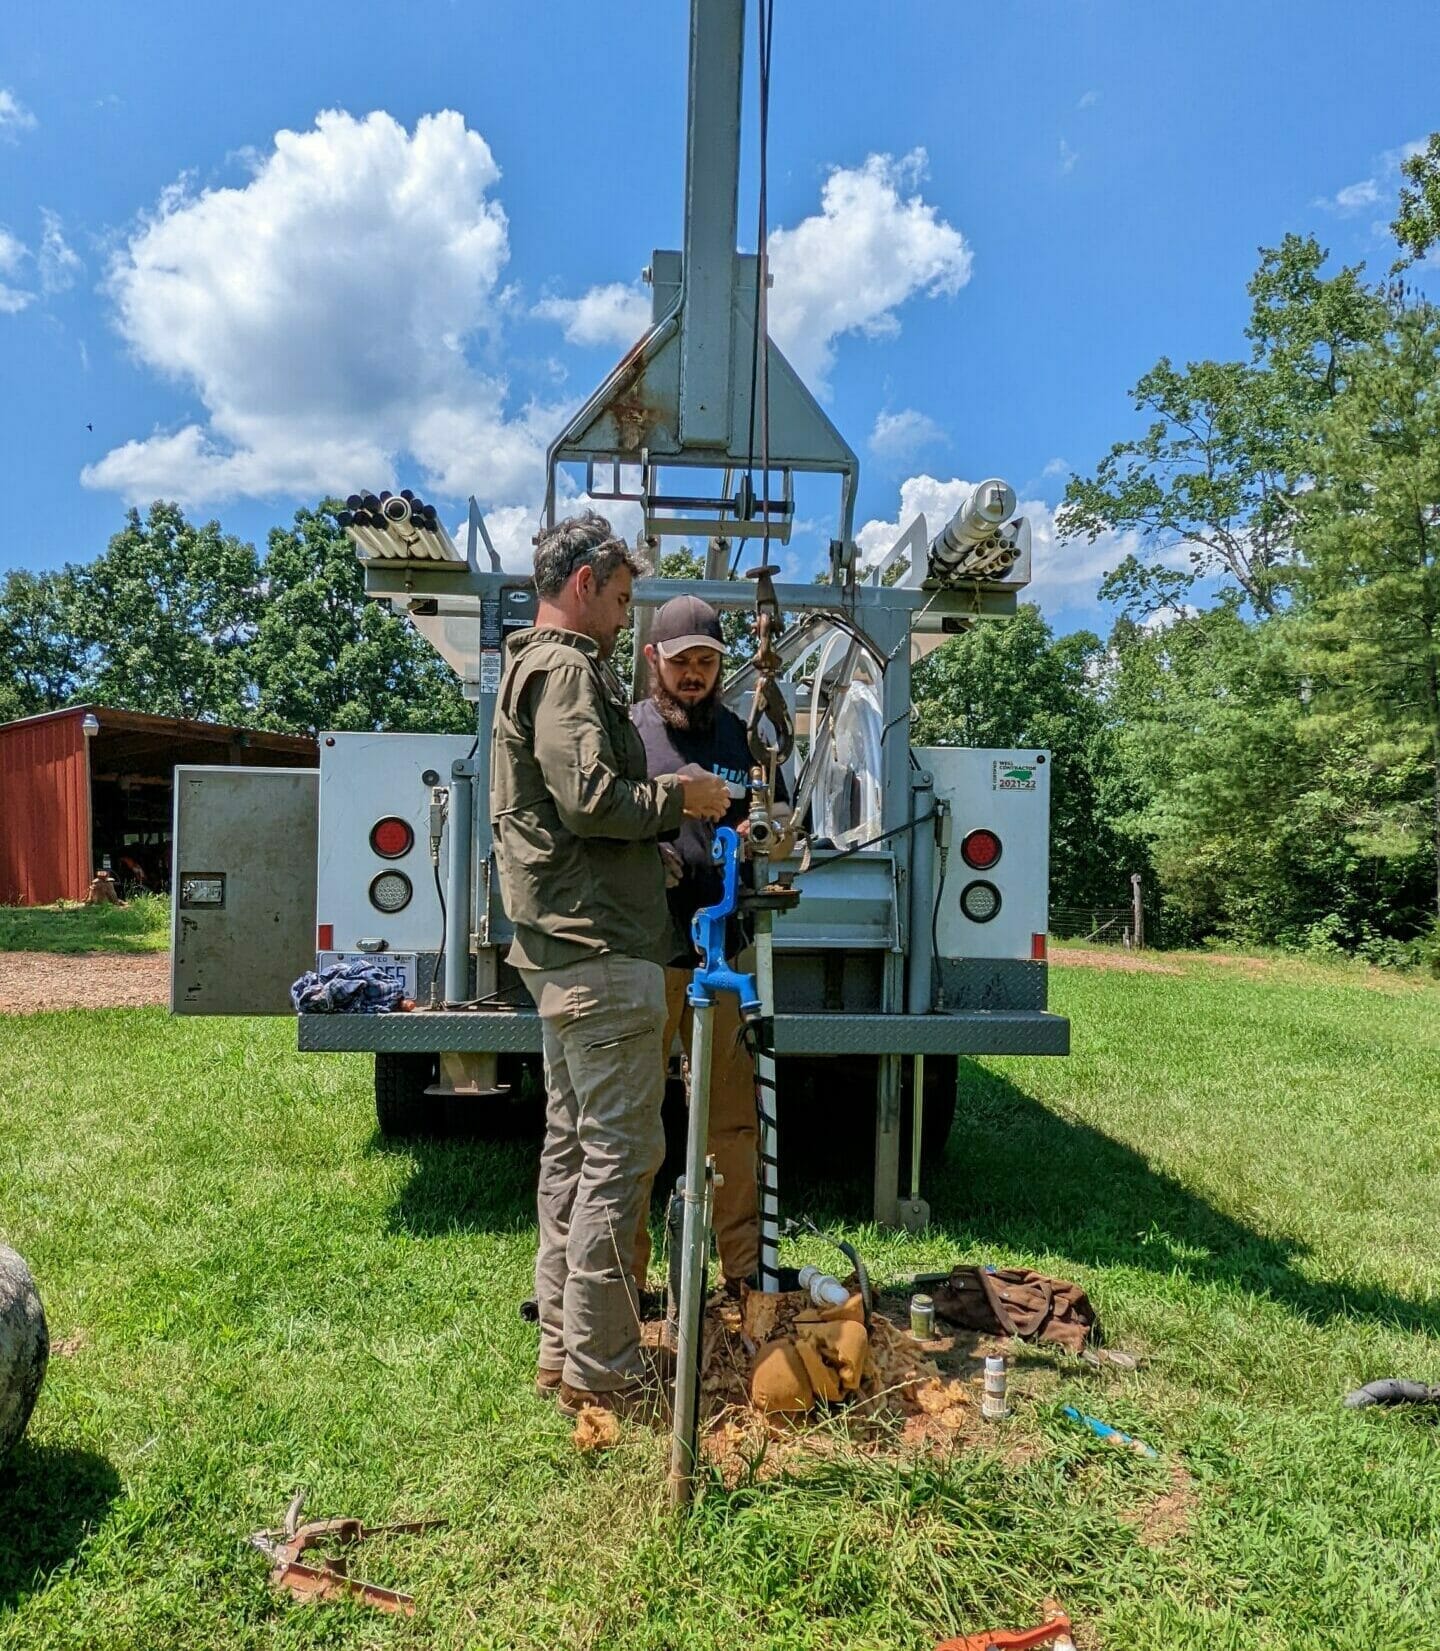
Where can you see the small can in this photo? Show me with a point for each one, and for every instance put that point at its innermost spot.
(994, 1406)
(922, 1317)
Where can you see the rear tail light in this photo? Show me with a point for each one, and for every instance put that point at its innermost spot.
(324, 937)
(391, 891)
(1037, 948)
(392, 837)
(980, 901)
(980, 849)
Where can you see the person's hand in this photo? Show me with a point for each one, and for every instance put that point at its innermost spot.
(673, 864)
(706, 795)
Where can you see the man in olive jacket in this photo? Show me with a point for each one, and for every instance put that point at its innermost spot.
(576, 825)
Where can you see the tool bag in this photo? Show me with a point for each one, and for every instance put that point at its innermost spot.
(1015, 1301)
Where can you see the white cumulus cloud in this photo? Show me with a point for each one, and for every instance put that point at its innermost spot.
(13, 253)
(1068, 158)
(1064, 574)
(898, 437)
(612, 314)
(321, 314)
(848, 268)
(14, 116)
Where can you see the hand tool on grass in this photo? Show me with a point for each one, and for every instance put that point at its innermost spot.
(329, 1577)
(1055, 1632)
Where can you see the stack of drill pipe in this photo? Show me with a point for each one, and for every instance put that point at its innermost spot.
(976, 542)
(397, 527)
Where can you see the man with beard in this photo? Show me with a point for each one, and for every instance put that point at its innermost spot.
(685, 727)
(576, 820)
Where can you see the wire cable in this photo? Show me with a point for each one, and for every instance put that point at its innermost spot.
(760, 332)
(444, 921)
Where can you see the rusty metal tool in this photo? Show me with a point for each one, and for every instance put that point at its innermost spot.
(330, 1578)
(1054, 1632)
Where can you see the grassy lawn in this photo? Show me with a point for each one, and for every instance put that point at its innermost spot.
(141, 925)
(250, 1294)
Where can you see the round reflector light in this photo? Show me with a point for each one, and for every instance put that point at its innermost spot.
(391, 837)
(390, 891)
(980, 849)
(980, 901)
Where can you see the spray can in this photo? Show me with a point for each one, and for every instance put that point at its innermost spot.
(922, 1317)
(994, 1406)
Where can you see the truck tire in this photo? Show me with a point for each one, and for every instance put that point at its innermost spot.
(403, 1111)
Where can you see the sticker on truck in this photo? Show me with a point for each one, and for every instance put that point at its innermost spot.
(1013, 776)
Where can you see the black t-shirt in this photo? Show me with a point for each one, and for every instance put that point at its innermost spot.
(725, 751)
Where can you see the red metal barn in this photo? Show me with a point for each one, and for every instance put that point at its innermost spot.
(87, 785)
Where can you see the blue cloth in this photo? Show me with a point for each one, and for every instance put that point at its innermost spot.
(347, 989)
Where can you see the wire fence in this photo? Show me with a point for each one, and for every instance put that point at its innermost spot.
(1106, 923)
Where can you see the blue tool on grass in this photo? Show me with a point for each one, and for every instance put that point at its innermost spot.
(1111, 1435)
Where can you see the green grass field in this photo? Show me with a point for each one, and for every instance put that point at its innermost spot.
(141, 925)
(249, 1293)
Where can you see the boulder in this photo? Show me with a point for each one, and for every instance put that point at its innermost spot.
(24, 1347)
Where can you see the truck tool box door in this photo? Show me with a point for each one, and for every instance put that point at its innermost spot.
(243, 888)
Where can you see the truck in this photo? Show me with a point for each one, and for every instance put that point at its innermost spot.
(919, 936)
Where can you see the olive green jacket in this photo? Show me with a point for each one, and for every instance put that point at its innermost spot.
(575, 818)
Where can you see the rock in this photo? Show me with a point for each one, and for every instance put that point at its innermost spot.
(24, 1347)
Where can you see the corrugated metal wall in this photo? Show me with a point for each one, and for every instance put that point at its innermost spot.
(44, 812)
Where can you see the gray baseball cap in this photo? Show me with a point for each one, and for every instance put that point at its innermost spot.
(686, 622)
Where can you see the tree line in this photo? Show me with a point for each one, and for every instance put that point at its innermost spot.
(1258, 733)
(184, 620)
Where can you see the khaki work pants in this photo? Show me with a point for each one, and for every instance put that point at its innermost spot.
(734, 1132)
(602, 1024)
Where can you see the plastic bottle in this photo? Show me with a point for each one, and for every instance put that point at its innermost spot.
(825, 1290)
(994, 1406)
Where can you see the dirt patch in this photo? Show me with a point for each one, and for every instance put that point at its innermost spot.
(1252, 967)
(917, 1397)
(1094, 957)
(1168, 1515)
(30, 981)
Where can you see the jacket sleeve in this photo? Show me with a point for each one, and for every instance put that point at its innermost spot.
(582, 769)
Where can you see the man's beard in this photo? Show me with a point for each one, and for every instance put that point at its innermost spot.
(684, 719)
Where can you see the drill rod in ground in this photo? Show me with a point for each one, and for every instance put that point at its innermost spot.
(684, 1443)
(765, 1093)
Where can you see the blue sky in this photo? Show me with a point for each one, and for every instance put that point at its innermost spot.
(995, 219)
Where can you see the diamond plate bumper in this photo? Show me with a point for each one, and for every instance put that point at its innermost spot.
(981, 1032)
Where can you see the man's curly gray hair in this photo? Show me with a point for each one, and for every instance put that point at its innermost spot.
(580, 542)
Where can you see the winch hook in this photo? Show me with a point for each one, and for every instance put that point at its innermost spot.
(767, 703)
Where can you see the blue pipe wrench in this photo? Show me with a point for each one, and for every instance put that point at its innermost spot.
(707, 930)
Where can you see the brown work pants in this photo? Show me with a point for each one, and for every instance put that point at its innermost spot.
(602, 1022)
(734, 1133)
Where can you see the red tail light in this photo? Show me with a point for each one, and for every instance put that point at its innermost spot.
(391, 837)
(980, 849)
(324, 937)
(1037, 948)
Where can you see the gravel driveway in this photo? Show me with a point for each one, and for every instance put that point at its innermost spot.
(82, 980)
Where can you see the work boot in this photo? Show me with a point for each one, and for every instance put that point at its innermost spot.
(547, 1383)
(636, 1401)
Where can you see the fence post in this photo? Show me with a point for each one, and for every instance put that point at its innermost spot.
(1137, 912)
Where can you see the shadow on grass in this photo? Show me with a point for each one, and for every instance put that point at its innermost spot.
(464, 1185)
(1018, 1176)
(1014, 1175)
(53, 1498)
